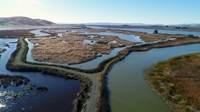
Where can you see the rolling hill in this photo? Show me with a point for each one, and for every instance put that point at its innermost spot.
(24, 21)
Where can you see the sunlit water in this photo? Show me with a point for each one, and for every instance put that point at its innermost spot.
(38, 33)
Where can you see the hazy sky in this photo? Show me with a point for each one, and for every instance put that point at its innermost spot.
(121, 11)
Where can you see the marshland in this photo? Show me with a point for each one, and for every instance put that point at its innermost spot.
(99, 56)
(126, 66)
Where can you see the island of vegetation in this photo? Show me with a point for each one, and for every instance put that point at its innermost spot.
(74, 48)
(177, 81)
(6, 80)
(2, 51)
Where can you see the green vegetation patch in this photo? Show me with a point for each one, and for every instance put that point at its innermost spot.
(2, 51)
(177, 81)
(7, 80)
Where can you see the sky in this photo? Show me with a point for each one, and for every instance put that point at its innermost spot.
(115, 11)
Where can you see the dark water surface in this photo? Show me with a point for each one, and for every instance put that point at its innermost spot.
(58, 98)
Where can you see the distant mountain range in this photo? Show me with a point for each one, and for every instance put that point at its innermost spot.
(24, 21)
(139, 24)
(110, 23)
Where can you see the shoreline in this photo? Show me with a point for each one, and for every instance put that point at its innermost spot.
(174, 85)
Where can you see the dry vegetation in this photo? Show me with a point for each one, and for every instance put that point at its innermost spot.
(177, 80)
(178, 42)
(96, 30)
(149, 37)
(70, 49)
(54, 50)
(15, 33)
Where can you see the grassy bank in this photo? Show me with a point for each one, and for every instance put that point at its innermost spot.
(103, 94)
(82, 96)
(177, 81)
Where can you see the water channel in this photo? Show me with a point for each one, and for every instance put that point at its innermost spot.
(129, 91)
(58, 98)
